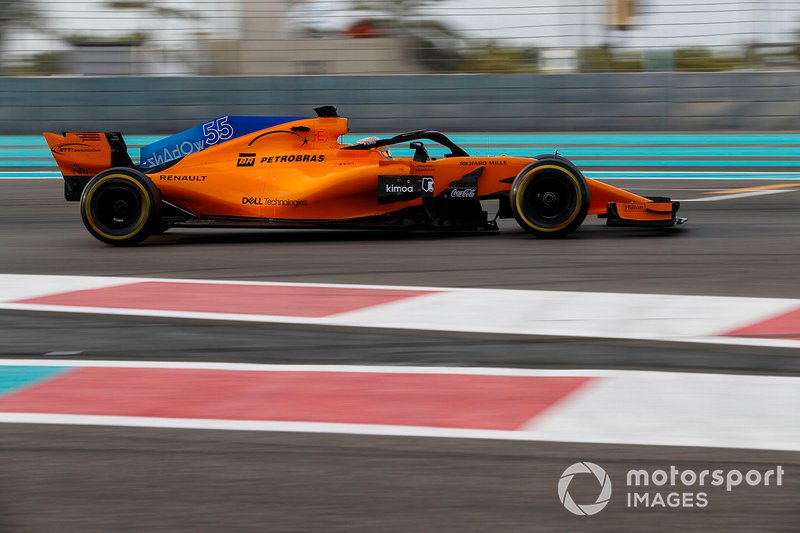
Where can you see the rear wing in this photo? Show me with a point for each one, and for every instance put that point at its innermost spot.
(81, 155)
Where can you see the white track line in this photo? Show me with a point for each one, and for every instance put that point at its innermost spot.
(369, 369)
(259, 425)
(393, 431)
(688, 410)
(736, 196)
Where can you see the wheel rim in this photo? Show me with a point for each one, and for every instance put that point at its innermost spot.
(116, 207)
(550, 200)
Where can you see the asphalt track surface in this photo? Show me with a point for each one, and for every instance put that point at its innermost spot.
(102, 479)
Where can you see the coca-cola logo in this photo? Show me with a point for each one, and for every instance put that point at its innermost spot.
(463, 192)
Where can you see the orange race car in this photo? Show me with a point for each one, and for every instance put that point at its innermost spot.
(293, 172)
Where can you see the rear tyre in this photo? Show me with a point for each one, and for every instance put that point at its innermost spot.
(121, 207)
(550, 198)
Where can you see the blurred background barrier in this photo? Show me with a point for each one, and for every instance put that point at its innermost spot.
(278, 37)
(390, 103)
(467, 65)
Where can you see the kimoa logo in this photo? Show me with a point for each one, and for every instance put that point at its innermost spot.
(399, 188)
(590, 508)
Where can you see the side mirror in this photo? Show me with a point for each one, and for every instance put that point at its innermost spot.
(420, 153)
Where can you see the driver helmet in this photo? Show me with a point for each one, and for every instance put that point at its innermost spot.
(384, 150)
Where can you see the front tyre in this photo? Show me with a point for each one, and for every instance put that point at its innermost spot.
(121, 207)
(550, 198)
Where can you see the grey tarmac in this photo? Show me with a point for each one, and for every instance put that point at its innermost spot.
(116, 479)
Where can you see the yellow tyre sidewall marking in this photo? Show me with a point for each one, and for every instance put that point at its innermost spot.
(144, 211)
(521, 193)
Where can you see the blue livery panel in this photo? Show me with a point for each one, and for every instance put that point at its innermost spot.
(204, 135)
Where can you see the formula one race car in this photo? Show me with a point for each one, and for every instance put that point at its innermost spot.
(293, 172)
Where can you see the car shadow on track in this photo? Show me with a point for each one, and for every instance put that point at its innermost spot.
(194, 236)
(188, 237)
(603, 232)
